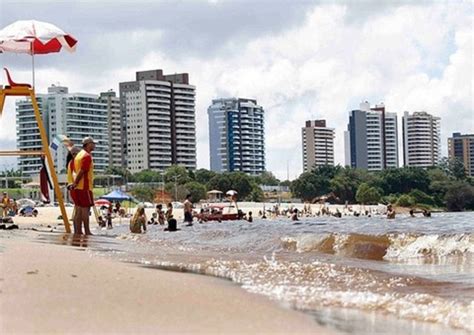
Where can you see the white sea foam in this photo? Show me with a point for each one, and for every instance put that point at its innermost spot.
(404, 246)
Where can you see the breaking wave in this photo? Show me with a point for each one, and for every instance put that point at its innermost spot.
(387, 247)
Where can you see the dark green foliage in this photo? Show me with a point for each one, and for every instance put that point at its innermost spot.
(420, 197)
(405, 200)
(197, 191)
(315, 183)
(459, 196)
(177, 173)
(403, 180)
(453, 167)
(266, 178)
(144, 192)
(367, 195)
(147, 176)
(237, 181)
(256, 194)
(203, 176)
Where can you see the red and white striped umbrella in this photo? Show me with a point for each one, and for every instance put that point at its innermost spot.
(102, 202)
(35, 38)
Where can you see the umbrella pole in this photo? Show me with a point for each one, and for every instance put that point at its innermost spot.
(33, 63)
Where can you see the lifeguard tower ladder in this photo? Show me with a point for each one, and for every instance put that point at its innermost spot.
(16, 89)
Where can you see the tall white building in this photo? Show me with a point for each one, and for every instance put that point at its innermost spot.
(236, 136)
(115, 126)
(160, 121)
(27, 133)
(75, 115)
(371, 139)
(421, 139)
(318, 144)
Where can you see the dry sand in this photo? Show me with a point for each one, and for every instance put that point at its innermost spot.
(47, 288)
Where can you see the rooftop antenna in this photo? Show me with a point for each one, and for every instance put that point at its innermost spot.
(287, 169)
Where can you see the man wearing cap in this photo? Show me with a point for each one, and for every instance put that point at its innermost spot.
(83, 168)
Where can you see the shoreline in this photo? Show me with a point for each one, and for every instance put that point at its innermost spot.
(85, 294)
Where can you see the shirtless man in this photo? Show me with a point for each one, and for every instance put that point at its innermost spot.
(188, 211)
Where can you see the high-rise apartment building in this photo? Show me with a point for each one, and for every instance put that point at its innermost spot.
(421, 139)
(462, 148)
(371, 139)
(318, 144)
(236, 136)
(75, 115)
(27, 133)
(115, 125)
(159, 113)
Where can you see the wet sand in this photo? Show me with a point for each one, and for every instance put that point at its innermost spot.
(47, 288)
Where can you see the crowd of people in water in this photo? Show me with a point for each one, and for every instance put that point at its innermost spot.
(139, 221)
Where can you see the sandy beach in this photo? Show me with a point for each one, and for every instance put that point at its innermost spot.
(47, 288)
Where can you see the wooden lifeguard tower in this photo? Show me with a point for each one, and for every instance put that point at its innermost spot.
(25, 90)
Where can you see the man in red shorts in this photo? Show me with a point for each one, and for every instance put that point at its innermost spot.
(83, 185)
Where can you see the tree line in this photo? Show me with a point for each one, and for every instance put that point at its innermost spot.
(445, 185)
(178, 182)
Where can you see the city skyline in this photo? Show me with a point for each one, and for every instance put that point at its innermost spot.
(302, 61)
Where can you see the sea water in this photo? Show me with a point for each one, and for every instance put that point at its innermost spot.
(360, 275)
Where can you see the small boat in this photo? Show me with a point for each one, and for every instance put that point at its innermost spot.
(215, 212)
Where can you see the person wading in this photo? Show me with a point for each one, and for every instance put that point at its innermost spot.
(82, 185)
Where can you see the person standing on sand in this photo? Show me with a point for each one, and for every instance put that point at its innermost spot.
(5, 204)
(82, 185)
(188, 211)
(73, 151)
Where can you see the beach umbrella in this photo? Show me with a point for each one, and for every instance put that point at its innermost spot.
(35, 38)
(25, 202)
(231, 193)
(102, 202)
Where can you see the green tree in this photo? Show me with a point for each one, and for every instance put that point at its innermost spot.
(285, 183)
(439, 184)
(147, 176)
(241, 183)
(403, 180)
(367, 194)
(346, 182)
(459, 196)
(314, 183)
(197, 191)
(405, 201)
(256, 194)
(237, 181)
(203, 176)
(177, 173)
(267, 178)
(420, 197)
(119, 171)
(453, 167)
(220, 182)
(304, 186)
(144, 192)
(177, 191)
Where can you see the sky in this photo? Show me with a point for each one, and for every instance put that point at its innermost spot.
(301, 60)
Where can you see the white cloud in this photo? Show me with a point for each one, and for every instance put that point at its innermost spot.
(410, 57)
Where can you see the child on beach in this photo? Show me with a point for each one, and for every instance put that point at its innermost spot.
(138, 221)
(161, 214)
